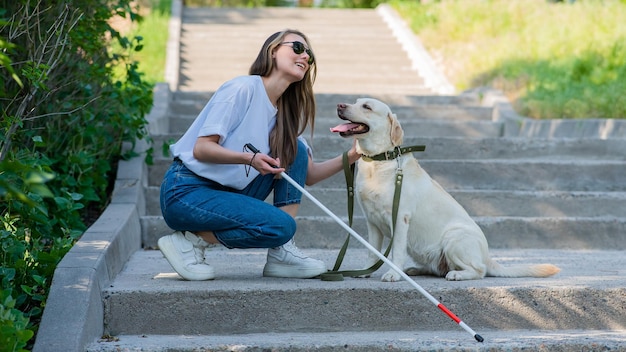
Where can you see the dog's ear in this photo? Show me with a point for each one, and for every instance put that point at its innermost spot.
(396, 133)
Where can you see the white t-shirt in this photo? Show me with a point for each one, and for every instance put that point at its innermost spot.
(239, 112)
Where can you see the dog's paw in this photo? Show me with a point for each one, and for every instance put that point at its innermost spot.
(391, 276)
(456, 275)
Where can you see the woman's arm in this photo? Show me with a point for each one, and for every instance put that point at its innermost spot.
(323, 170)
(207, 149)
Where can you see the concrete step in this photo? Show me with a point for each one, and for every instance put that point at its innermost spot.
(605, 232)
(406, 340)
(485, 148)
(478, 203)
(428, 112)
(397, 84)
(326, 146)
(149, 298)
(327, 112)
(529, 175)
(426, 128)
(200, 98)
(420, 115)
(428, 108)
(520, 174)
(575, 232)
(498, 174)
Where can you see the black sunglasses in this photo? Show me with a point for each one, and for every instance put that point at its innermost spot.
(299, 48)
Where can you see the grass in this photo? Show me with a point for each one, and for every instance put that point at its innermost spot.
(153, 30)
(553, 60)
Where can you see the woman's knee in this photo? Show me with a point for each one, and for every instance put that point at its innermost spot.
(286, 231)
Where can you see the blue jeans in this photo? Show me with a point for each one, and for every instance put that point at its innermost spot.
(237, 218)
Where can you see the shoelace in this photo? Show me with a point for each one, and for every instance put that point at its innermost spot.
(198, 254)
(198, 247)
(291, 248)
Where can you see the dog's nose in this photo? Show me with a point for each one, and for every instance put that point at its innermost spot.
(341, 106)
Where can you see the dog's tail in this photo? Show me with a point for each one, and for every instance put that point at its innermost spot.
(533, 270)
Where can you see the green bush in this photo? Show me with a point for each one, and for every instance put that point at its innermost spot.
(591, 84)
(65, 115)
(14, 334)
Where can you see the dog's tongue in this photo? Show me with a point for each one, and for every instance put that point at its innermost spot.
(344, 127)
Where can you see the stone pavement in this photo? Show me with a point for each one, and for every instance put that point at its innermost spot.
(543, 191)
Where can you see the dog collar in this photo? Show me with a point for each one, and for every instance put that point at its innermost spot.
(394, 153)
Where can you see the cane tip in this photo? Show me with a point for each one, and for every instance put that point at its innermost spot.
(479, 338)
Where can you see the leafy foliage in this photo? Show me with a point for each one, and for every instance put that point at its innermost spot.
(590, 85)
(65, 115)
(14, 334)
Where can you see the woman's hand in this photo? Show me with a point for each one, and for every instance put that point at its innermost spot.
(353, 155)
(265, 164)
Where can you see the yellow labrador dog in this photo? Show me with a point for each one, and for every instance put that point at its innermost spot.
(432, 228)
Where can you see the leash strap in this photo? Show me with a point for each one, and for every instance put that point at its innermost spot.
(336, 274)
(348, 171)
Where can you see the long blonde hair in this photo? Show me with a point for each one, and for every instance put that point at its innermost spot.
(296, 106)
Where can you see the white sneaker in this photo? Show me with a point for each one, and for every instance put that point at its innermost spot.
(288, 261)
(185, 253)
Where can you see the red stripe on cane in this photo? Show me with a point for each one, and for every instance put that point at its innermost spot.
(450, 314)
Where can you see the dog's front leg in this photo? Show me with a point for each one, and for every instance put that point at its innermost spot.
(375, 239)
(399, 253)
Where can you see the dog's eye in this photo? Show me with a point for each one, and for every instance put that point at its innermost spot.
(366, 107)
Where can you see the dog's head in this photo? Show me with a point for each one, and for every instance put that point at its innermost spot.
(372, 123)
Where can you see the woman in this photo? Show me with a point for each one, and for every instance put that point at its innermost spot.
(214, 191)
